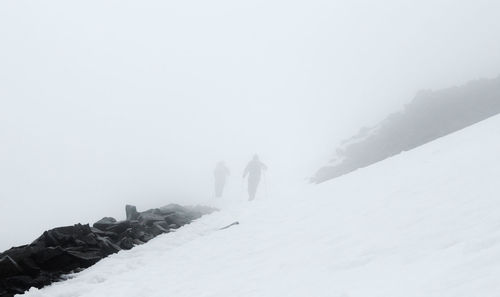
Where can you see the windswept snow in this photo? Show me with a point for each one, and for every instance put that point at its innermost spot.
(423, 223)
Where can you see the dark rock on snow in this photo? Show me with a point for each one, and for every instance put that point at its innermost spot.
(70, 249)
(131, 212)
(104, 223)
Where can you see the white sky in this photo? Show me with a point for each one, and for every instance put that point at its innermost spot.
(104, 103)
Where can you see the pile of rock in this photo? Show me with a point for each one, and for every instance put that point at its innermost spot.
(73, 248)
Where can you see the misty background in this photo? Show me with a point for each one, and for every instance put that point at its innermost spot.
(104, 103)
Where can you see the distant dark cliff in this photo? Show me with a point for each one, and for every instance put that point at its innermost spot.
(432, 114)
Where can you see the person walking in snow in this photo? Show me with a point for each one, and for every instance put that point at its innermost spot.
(220, 174)
(254, 171)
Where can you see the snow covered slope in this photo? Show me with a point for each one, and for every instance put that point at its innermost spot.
(424, 223)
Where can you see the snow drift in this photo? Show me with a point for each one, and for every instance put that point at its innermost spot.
(423, 223)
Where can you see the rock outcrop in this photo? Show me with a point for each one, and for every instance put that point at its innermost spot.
(431, 115)
(73, 248)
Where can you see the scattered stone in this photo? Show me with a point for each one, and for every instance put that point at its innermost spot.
(63, 250)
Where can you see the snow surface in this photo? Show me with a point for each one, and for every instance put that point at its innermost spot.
(423, 223)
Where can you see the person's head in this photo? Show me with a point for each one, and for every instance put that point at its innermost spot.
(220, 164)
(255, 157)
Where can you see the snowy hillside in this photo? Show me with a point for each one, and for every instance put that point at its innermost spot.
(423, 223)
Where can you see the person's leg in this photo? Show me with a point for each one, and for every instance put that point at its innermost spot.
(249, 190)
(218, 188)
(222, 185)
(253, 183)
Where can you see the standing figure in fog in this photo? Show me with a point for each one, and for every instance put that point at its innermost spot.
(220, 174)
(253, 170)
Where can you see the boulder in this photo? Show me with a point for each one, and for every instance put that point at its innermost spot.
(131, 212)
(148, 218)
(177, 219)
(107, 246)
(62, 236)
(126, 243)
(104, 223)
(159, 228)
(119, 227)
(86, 258)
(17, 284)
(29, 266)
(44, 255)
(9, 267)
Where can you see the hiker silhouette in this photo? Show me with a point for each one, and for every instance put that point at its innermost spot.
(220, 174)
(254, 171)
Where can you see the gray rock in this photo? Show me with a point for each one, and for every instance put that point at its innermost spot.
(131, 212)
(9, 267)
(104, 223)
(73, 248)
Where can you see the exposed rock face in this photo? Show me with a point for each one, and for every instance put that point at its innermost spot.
(431, 115)
(73, 248)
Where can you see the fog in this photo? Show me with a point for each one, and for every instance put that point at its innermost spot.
(104, 103)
